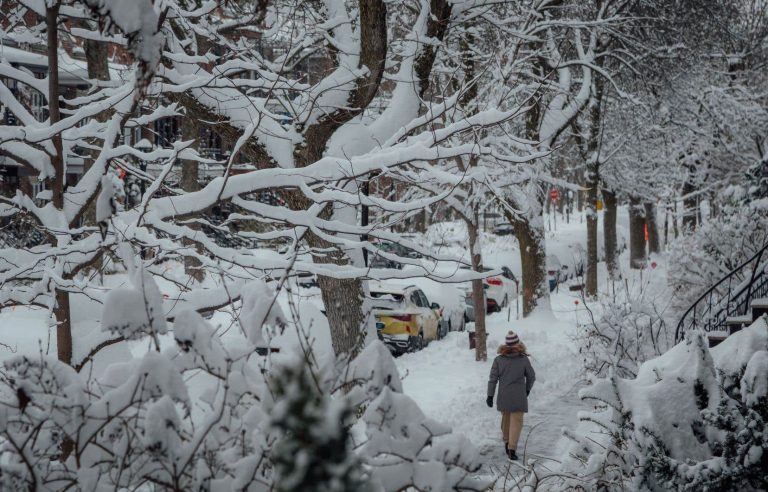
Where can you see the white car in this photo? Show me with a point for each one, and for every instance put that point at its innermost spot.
(500, 290)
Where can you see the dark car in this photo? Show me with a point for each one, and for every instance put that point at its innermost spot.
(504, 229)
(379, 261)
(307, 280)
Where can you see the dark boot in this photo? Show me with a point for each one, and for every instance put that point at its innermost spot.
(511, 454)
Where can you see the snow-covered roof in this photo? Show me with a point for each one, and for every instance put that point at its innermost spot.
(71, 71)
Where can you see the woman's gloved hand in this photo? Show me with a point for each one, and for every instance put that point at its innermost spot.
(489, 401)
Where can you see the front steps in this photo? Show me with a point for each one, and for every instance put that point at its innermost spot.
(758, 308)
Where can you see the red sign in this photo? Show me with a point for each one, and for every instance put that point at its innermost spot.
(553, 195)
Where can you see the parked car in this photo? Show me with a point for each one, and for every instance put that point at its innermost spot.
(500, 290)
(504, 229)
(307, 280)
(469, 305)
(405, 319)
(379, 261)
(554, 272)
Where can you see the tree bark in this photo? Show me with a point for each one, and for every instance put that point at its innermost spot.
(593, 180)
(62, 310)
(675, 221)
(97, 62)
(478, 292)
(637, 243)
(609, 234)
(533, 255)
(343, 298)
(690, 205)
(654, 241)
(190, 130)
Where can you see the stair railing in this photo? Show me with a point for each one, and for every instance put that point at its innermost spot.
(711, 310)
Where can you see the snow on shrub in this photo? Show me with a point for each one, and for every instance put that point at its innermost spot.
(681, 424)
(208, 415)
(624, 331)
(697, 260)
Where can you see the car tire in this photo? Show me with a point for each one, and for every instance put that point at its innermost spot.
(414, 344)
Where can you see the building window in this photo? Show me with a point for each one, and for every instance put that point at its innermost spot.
(38, 106)
(166, 132)
(210, 144)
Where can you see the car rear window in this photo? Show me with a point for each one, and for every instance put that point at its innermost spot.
(387, 295)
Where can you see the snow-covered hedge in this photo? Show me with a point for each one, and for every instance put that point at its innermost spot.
(693, 419)
(205, 415)
(699, 259)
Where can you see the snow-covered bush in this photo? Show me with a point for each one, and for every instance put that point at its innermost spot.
(203, 414)
(312, 451)
(693, 419)
(699, 259)
(624, 330)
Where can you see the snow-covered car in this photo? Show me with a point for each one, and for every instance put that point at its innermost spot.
(405, 319)
(504, 229)
(469, 305)
(307, 280)
(500, 290)
(379, 261)
(554, 272)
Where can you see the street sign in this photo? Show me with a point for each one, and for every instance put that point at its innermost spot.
(553, 195)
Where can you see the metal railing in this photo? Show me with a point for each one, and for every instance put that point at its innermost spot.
(724, 299)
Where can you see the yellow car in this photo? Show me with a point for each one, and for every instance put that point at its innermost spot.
(405, 319)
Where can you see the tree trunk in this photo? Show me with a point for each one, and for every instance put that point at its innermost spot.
(190, 130)
(97, 62)
(580, 198)
(533, 256)
(609, 235)
(675, 220)
(478, 292)
(654, 241)
(62, 310)
(62, 313)
(343, 301)
(714, 207)
(690, 206)
(637, 248)
(592, 182)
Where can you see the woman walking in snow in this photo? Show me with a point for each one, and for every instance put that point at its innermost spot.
(513, 372)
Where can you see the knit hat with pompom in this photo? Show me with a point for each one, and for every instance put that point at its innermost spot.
(512, 338)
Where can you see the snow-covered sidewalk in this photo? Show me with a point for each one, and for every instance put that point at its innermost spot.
(450, 386)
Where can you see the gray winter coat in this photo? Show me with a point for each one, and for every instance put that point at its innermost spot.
(515, 376)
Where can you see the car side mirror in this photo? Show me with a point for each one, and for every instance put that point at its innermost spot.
(435, 305)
